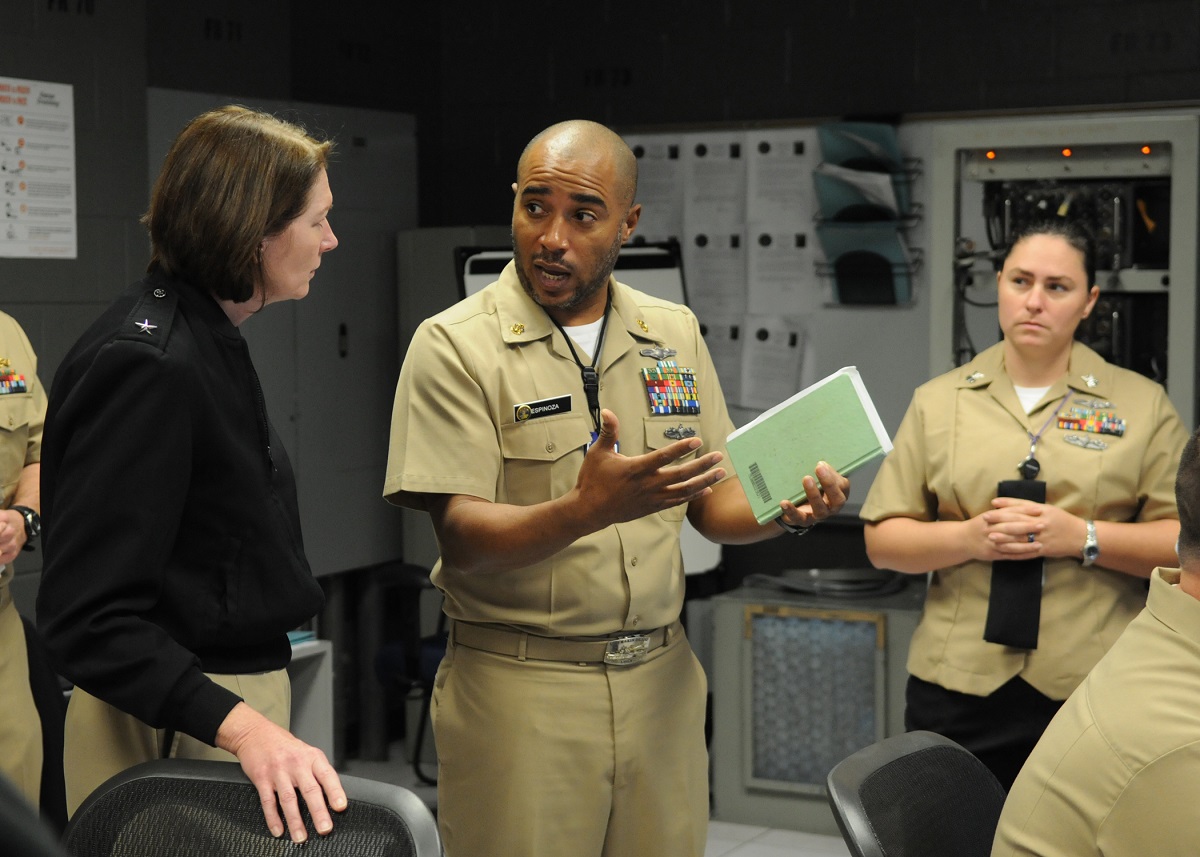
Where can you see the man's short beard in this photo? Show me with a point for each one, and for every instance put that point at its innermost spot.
(584, 292)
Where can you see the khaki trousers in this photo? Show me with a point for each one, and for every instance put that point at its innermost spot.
(101, 741)
(545, 758)
(20, 725)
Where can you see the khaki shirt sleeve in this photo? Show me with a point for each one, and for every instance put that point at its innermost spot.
(443, 438)
(1156, 812)
(37, 409)
(22, 415)
(1156, 488)
(901, 487)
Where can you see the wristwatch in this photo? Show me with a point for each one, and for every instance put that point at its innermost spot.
(792, 528)
(1091, 547)
(33, 524)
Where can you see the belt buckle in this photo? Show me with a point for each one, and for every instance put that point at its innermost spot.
(624, 651)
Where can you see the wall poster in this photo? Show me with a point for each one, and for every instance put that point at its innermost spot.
(37, 170)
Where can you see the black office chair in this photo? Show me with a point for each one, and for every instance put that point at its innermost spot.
(186, 807)
(412, 666)
(916, 793)
(409, 664)
(22, 832)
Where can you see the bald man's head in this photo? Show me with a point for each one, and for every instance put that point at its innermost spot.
(584, 140)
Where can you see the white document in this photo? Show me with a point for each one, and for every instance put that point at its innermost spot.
(772, 359)
(714, 181)
(723, 336)
(781, 274)
(714, 263)
(660, 184)
(779, 165)
(873, 188)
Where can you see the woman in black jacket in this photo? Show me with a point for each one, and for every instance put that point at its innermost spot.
(174, 565)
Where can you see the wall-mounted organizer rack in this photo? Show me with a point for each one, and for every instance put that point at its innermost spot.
(864, 196)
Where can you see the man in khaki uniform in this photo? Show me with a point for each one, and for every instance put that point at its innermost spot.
(569, 710)
(22, 412)
(1115, 772)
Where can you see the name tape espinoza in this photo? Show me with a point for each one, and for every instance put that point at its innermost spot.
(541, 408)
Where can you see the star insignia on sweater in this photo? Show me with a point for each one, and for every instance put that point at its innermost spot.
(146, 326)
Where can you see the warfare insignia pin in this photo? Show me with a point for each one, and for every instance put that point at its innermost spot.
(679, 432)
(658, 352)
(1085, 442)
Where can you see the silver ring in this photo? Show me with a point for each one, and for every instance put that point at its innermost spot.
(1030, 538)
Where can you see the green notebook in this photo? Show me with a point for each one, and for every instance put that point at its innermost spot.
(834, 420)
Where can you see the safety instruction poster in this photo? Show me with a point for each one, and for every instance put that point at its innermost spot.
(37, 170)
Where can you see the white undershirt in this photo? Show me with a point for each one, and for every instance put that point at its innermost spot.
(1030, 396)
(585, 335)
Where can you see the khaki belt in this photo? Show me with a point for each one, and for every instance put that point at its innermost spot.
(617, 650)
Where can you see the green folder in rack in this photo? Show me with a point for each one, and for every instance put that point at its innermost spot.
(834, 420)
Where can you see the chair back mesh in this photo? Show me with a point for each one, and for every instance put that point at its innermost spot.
(898, 799)
(160, 815)
(935, 803)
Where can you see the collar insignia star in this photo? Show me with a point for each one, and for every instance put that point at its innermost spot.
(974, 376)
(1090, 380)
(145, 326)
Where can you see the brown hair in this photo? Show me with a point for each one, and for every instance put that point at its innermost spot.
(1074, 232)
(233, 176)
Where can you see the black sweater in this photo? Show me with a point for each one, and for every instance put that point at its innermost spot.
(171, 527)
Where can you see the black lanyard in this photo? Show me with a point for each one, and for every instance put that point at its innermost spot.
(591, 377)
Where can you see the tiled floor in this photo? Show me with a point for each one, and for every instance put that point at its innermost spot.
(725, 839)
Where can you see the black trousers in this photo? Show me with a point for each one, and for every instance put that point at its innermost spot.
(1000, 730)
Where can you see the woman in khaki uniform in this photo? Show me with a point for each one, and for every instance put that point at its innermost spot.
(1036, 413)
(22, 411)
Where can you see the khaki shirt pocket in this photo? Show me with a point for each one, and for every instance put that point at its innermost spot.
(14, 438)
(542, 458)
(657, 437)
